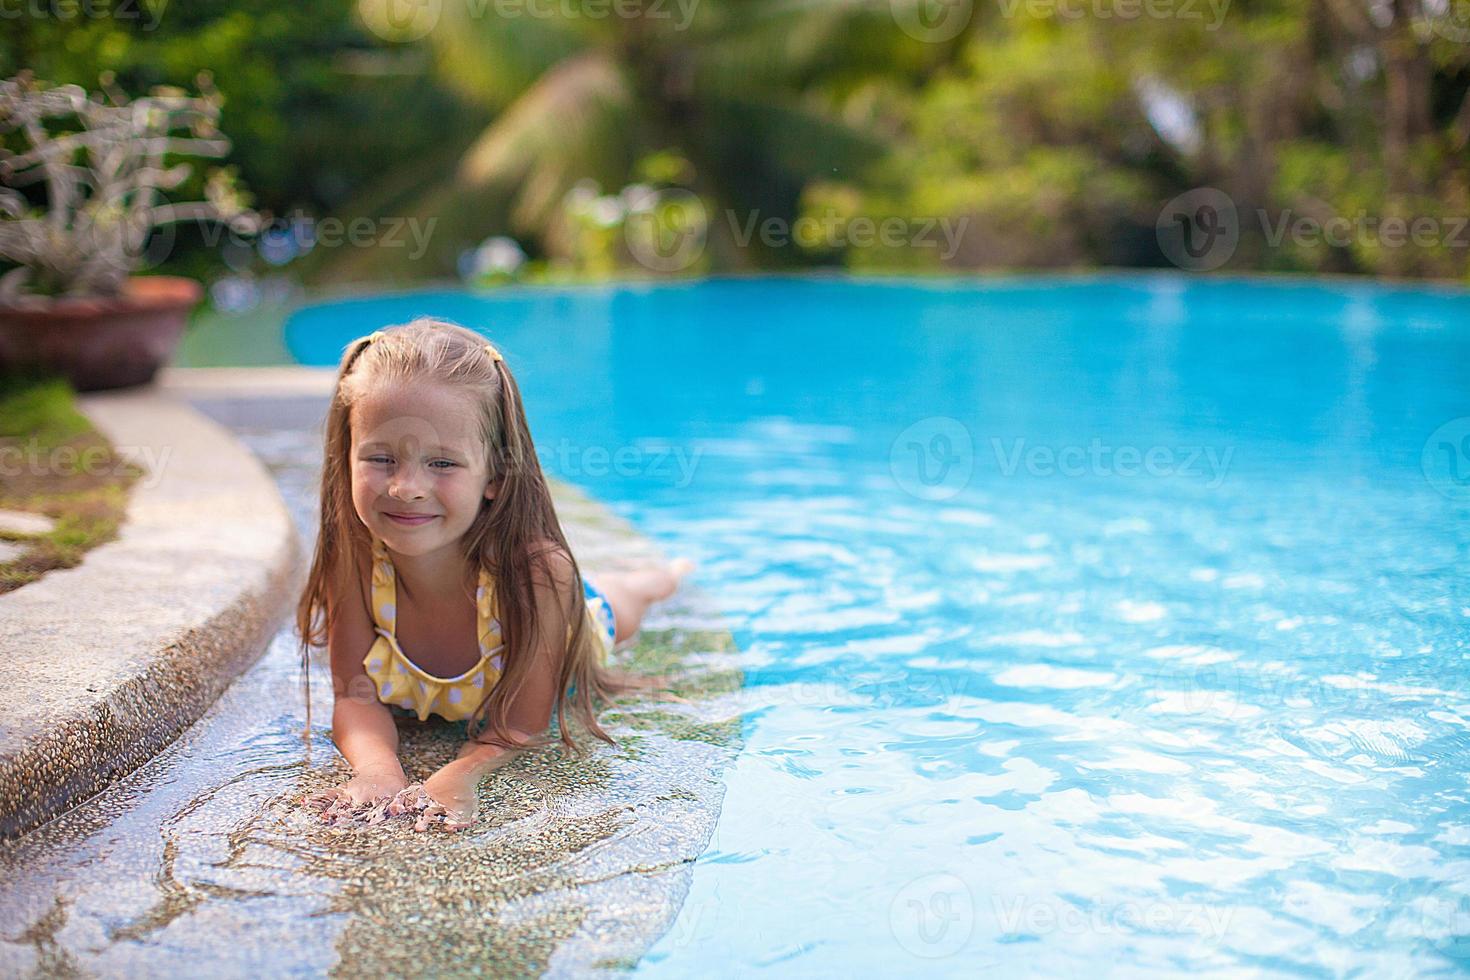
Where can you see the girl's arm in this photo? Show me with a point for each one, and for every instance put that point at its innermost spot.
(530, 713)
(362, 726)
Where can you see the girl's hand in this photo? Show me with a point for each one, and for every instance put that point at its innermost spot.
(368, 791)
(448, 798)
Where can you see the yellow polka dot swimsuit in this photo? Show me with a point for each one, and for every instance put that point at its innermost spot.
(403, 684)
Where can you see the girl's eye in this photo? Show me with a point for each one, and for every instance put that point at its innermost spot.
(447, 463)
(379, 459)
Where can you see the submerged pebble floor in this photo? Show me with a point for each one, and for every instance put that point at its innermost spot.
(205, 857)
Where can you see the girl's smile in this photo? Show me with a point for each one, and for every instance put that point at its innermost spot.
(409, 520)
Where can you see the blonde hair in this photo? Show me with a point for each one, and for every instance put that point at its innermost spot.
(501, 541)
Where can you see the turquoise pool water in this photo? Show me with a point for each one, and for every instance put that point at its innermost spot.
(1103, 625)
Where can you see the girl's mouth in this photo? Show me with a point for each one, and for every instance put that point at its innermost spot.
(410, 521)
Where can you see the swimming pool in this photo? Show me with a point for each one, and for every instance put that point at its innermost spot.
(1107, 625)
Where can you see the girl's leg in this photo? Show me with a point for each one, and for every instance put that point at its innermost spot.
(631, 593)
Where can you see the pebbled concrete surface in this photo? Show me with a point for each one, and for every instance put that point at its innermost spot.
(110, 661)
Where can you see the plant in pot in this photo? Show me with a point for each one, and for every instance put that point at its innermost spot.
(70, 303)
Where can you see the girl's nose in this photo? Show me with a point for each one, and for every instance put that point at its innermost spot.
(408, 486)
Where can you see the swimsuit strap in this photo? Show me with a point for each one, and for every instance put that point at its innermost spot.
(385, 603)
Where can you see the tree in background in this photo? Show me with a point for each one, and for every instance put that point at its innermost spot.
(1053, 132)
(745, 92)
(1063, 129)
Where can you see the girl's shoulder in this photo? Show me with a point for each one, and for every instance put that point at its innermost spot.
(550, 563)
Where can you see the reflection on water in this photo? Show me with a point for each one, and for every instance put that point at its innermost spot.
(203, 856)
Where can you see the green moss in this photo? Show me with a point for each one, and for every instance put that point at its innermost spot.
(40, 410)
(63, 469)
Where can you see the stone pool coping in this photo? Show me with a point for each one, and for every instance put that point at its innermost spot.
(110, 661)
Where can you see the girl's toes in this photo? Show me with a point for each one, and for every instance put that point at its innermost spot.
(681, 566)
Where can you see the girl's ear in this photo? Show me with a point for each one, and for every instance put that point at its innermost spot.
(492, 488)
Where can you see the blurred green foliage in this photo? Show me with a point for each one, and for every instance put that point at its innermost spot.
(530, 135)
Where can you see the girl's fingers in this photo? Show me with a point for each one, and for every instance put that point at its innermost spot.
(320, 801)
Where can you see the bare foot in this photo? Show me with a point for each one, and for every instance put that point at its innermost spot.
(657, 582)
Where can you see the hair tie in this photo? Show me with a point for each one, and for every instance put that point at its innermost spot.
(495, 354)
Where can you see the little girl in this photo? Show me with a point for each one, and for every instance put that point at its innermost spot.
(442, 582)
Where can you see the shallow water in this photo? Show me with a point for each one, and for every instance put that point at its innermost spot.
(202, 861)
(1115, 625)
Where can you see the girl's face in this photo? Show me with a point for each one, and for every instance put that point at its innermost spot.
(418, 465)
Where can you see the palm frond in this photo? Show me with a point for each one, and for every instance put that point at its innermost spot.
(578, 120)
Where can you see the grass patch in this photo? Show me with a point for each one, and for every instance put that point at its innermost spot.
(54, 463)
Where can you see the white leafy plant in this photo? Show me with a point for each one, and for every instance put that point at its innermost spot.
(105, 182)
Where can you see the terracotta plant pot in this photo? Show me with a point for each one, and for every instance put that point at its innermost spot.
(101, 342)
